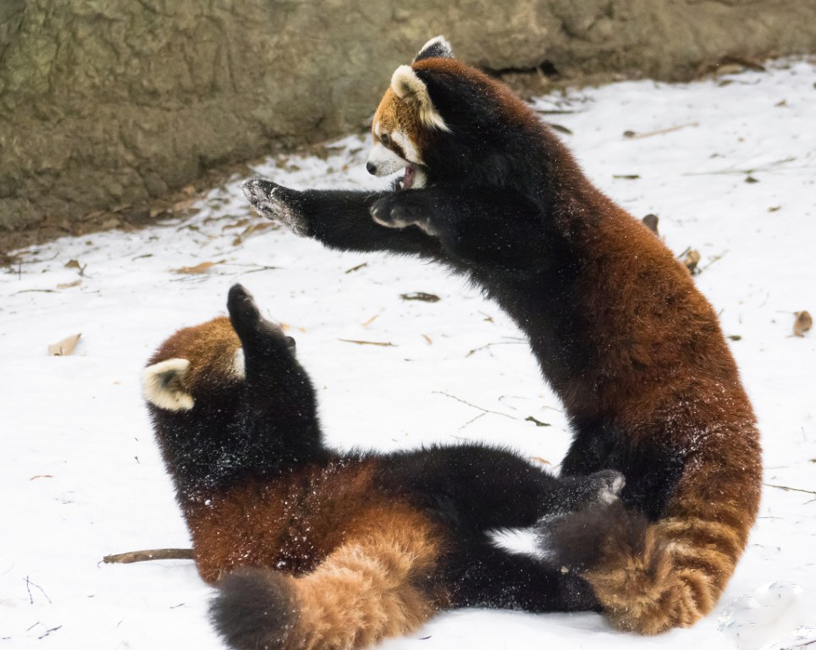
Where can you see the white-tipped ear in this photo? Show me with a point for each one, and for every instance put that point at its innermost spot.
(437, 48)
(162, 385)
(411, 89)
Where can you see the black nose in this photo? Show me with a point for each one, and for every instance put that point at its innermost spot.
(371, 168)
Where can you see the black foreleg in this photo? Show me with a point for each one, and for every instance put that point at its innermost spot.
(339, 219)
(475, 488)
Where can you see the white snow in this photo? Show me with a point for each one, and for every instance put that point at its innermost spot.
(80, 474)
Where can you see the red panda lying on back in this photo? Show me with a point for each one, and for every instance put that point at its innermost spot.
(620, 332)
(312, 549)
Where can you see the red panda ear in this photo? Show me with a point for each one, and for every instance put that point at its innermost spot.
(437, 48)
(412, 90)
(163, 385)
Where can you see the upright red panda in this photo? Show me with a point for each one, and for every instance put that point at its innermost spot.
(313, 549)
(620, 332)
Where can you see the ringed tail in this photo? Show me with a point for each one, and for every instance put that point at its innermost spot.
(364, 591)
(650, 577)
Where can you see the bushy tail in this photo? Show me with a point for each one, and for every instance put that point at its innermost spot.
(362, 593)
(650, 577)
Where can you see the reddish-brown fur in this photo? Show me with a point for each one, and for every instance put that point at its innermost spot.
(210, 348)
(349, 556)
(664, 375)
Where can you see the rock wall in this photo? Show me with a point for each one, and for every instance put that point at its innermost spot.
(110, 103)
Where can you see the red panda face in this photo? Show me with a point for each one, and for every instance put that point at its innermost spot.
(396, 139)
(403, 122)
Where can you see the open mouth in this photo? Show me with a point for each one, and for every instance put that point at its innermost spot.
(407, 181)
(414, 177)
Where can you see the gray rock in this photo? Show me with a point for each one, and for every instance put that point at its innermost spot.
(107, 103)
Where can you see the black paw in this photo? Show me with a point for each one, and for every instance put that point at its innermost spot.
(241, 306)
(397, 211)
(276, 202)
(247, 321)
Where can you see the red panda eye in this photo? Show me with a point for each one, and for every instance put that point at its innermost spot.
(385, 139)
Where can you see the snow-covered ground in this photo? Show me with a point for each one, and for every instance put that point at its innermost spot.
(80, 474)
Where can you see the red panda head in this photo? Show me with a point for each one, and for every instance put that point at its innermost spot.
(205, 357)
(202, 362)
(404, 119)
(441, 119)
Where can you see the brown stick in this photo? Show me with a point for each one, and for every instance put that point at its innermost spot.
(155, 554)
(788, 489)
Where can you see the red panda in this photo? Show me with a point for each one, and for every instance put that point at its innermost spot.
(620, 332)
(313, 549)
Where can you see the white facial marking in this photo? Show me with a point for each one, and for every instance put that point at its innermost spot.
(239, 364)
(384, 160)
(162, 385)
(407, 146)
(420, 179)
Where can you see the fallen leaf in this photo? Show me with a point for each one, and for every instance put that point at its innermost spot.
(371, 320)
(538, 423)
(691, 260)
(740, 61)
(751, 179)
(286, 327)
(357, 342)
(734, 337)
(560, 128)
(775, 208)
(627, 177)
(65, 347)
(69, 285)
(253, 229)
(802, 324)
(427, 339)
(74, 264)
(198, 268)
(356, 268)
(650, 220)
(241, 223)
(183, 206)
(421, 296)
(36, 476)
(541, 460)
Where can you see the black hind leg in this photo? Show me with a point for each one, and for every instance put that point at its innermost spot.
(476, 488)
(481, 575)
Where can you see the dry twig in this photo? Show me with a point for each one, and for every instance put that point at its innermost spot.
(789, 489)
(379, 343)
(145, 556)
